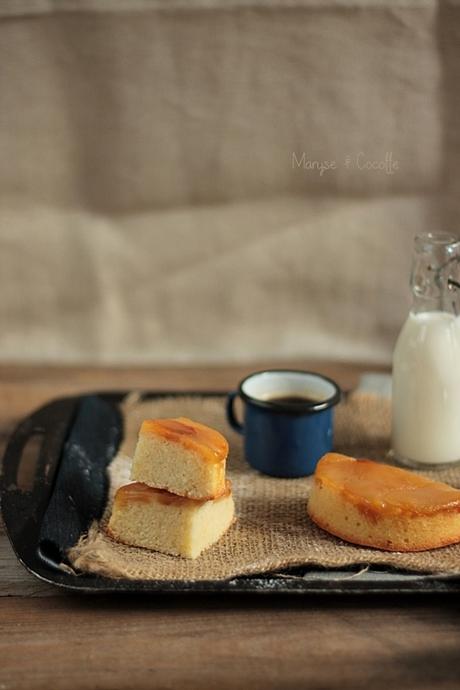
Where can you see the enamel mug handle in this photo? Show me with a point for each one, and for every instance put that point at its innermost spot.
(232, 420)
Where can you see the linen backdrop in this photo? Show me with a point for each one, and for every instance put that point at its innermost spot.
(220, 180)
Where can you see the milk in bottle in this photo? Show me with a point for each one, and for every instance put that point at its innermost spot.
(426, 361)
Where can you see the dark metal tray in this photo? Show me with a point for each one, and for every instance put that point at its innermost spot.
(54, 484)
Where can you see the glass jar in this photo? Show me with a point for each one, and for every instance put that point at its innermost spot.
(426, 360)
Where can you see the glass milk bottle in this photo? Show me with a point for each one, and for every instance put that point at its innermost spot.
(426, 360)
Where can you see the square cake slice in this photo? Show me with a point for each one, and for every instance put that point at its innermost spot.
(181, 456)
(158, 520)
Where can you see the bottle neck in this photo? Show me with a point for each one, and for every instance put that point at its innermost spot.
(433, 283)
(444, 302)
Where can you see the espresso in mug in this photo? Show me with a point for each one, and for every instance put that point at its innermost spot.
(292, 399)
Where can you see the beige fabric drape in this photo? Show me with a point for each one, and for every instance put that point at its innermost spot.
(152, 207)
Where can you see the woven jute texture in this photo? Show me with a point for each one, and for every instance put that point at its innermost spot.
(272, 531)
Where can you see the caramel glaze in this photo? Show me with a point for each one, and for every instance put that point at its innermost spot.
(136, 492)
(209, 443)
(378, 490)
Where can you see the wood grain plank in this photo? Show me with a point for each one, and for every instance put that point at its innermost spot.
(201, 643)
(23, 388)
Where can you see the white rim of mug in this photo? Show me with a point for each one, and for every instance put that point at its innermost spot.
(292, 408)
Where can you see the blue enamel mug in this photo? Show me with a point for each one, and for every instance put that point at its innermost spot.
(288, 420)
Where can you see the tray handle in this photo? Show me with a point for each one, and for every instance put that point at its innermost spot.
(23, 507)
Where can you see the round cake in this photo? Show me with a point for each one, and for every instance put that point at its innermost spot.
(373, 504)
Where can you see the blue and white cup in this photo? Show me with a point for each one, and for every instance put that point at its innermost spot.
(288, 420)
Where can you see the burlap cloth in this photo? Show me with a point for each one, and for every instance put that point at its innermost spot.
(273, 531)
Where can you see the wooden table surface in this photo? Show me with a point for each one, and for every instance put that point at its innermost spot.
(53, 640)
